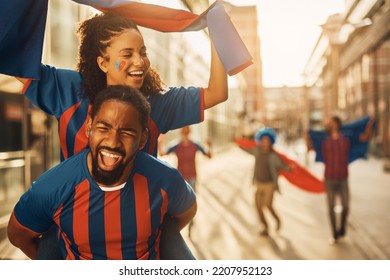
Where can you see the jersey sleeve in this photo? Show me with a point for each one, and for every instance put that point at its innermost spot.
(33, 209)
(55, 91)
(180, 194)
(172, 149)
(200, 148)
(178, 107)
(37, 207)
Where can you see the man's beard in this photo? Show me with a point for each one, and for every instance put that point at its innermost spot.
(103, 177)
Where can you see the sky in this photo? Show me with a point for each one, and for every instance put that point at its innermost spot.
(288, 31)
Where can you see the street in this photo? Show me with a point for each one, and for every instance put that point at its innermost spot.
(227, 226)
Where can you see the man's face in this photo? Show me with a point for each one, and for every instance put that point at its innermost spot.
(265, 143)
(115, 136)
(331, 125)
(125, 61)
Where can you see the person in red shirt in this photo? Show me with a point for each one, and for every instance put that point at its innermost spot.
(186, 151)
(335, 150)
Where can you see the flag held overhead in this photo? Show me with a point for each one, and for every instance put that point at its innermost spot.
(22, 26)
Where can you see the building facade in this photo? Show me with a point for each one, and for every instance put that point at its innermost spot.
(350, 67)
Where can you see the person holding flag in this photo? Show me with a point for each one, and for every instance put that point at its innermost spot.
(265, 176)
(337, 147)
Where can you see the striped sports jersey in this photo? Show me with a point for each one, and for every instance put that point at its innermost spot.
(336, 157)
(97, 224)
(186, 158)
(58, 93)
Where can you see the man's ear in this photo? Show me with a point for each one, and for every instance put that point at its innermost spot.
(144, 139)
(88, 130)
(102, 63)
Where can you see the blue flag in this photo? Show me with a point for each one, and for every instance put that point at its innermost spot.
(22, 28)
(352, 131)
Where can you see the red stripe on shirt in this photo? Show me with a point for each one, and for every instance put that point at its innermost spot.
(56, 218)
(81, 138)
(164, 209)
(64, 121)
(26, 85)
(112, 225)
(164, 205)
(143, 215)
(80, 219)
(153, 131)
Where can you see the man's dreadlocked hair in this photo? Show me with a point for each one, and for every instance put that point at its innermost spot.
(94, 35)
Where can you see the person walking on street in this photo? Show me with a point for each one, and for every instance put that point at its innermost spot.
(335, 151)
(185, 152)
(267, 166)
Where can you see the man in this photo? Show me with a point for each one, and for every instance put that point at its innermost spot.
(337, 147)
(108, 201)
(335, 152)
(185, 152)
(267, 166)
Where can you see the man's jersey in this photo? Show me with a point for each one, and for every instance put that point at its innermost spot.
(59, 93)
(186, 158)
(335, 154)
(97, 224)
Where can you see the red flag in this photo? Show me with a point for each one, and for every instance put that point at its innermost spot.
(299, 176)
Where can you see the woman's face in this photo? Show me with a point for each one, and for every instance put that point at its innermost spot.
(125, 61)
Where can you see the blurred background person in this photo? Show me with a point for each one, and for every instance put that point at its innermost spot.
(267, 166)
(186, 151)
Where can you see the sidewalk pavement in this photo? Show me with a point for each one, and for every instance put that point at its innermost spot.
(227, 226)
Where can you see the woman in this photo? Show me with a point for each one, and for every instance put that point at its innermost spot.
(112, 52)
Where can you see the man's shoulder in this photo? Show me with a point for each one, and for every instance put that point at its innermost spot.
(65, 171)
(152, 167)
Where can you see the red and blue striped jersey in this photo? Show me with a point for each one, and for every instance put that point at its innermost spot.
(186, 155)
(97, 224)
(59, 93)
(335, 153)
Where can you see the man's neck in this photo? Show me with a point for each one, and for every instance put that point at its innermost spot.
(335, 134)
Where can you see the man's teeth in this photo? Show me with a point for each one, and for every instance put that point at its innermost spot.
(109, 155)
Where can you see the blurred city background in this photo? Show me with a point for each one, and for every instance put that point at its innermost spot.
(344, 70)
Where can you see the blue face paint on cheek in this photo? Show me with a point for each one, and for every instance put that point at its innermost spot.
(117, 63)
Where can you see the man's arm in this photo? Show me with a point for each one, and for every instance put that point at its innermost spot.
(24, 81)
(365, 136)
(26, 240)
(217, 90)
(184, 218)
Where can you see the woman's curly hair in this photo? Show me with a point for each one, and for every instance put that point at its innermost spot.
(94, 35)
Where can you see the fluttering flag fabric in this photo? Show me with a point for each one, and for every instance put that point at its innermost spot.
(233, 53)
(299, 176)
(22, 28)
(352, 131)
(23, 25)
